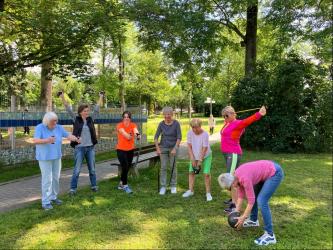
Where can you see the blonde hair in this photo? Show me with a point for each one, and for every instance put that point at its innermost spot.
(195, 122)
(48, 117)
(229, 110)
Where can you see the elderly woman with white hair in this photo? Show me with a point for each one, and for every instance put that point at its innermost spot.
(171, 135)
(48, 139)
(268, 175)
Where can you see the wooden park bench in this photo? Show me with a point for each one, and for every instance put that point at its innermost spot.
(145, 153)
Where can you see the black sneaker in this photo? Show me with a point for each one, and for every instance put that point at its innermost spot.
(230, 209)
(228, 202)
(94, 189)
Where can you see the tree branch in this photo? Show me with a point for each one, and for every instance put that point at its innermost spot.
(226, 21)
(37, 57)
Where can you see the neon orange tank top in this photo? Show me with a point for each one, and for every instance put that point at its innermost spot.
(123, 142)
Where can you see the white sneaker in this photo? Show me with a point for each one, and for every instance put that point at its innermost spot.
(162, 191)
(188, 193)
(265, 239)
(173, 190)
(250, 223)
(209, 197)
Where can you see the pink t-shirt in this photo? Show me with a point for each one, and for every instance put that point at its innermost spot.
(198, 142)
(232, 132)
(250, 174)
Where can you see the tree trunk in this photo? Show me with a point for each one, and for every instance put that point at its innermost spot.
(190, 105)
(121, 66)
(2, 5)
(151, 110)
(104, 52)
(251, 37)
(12, 129)
(229, 81)
(46, 87)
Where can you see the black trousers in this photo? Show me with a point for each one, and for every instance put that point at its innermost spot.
(26, 130)
(125, 158)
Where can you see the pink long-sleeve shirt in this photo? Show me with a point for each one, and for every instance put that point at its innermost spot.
(250, 174)
(232, 132)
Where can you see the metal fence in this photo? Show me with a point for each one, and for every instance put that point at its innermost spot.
(17, 129)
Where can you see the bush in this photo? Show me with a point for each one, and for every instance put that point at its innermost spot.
(299, 102)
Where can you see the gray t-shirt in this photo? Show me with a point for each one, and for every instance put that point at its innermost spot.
(169, 134)
(85, 134)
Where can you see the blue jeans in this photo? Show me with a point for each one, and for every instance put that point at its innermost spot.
(79, 154)
(50, 179)
(266, 192)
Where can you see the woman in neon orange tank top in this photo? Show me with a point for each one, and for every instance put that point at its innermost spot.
(126, 131)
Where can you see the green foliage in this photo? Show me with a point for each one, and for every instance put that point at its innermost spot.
(107, 81)
(306, 20)
(147, 80)
(73, 89)
(188, 31)
(62, 32)
(32, 90)
(297, 96)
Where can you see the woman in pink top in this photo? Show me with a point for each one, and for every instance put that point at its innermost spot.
(268, 175)
(231, 133)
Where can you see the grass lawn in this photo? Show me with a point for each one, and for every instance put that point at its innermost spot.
(152, 125)
(301, 208)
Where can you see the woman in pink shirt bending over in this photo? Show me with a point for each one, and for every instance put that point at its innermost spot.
(231, 133)
(247, 176)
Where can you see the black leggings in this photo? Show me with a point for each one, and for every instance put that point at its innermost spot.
(125, 158)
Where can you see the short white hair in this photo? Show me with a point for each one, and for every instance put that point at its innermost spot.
(167, 110)
(225, 180)
(48, 117)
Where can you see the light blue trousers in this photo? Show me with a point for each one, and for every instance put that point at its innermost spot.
(50, 179)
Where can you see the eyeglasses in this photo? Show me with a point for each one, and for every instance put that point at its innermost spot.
(225, 116)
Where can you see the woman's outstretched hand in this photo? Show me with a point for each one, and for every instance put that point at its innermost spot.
(262, 111)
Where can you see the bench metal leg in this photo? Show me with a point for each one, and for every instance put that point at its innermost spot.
(158, 178)
(153, 161)
(134, 171)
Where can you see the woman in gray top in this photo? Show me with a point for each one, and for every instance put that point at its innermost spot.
(171, 135)
(84, 129)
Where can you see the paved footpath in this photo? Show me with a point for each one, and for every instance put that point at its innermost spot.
(23, 191)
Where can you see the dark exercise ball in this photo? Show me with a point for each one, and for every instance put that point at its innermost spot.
(232, 218)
